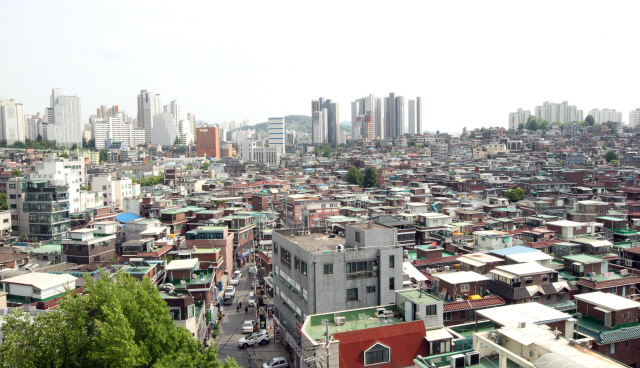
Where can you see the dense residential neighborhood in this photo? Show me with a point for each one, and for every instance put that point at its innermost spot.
(340, 248)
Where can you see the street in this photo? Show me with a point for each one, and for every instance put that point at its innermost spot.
(231, 330)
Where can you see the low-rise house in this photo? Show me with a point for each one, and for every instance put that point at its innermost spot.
(583, 265)
(480, 263)
(85, 246)
(459, 285)
(36, 286)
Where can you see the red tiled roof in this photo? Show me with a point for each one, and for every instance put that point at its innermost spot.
(420, 262)
(406, 340)
(473, 304)
(157, 253)
(542, 244)
(608, 283)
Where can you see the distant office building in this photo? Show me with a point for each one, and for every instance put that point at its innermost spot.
(255, 151)
(277, 132)
(149, 104)
(606, 116)
(363, 117)
(12, 121)
(419, 125)
(558, 112)
(64, 121)
(634, 118)
(163, 132)
(332, 117)
(319, 134)
(412, 117)
(115, 124)
(394, 116)
(517, 118)
(208, 142)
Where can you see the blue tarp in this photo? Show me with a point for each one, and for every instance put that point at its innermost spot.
(126, 217)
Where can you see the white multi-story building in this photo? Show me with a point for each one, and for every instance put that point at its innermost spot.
(64, 120)
(356, 121)
(34, 125)
(394, 116)
(606, 116)
(62, 173)
(277, 132)
(319, 127)
(412, 117)
(120, 129)
(114, 189)
(163, 132)
(149, 104)
(519, 117)
(12, 121)
(419, 126)
(558, 112)
(634, 118)
(185, 133)
(252, 150)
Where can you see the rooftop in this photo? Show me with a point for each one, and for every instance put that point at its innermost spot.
(41, 281)
(513, 250)
(608, 301)
(523, 269)
(420, 297)
(583, 258)
(460, 277)
(353, 322)
(182, 264)
(510, 315)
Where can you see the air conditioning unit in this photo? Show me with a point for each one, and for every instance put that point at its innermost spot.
(522, 324)
(579, 315)
(457, 361)
(472, 358)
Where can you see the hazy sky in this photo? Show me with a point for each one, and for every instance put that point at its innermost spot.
(472, 62)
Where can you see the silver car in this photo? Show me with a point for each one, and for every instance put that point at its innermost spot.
(279, 362)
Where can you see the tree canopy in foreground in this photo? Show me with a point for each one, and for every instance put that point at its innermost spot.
(120, 322)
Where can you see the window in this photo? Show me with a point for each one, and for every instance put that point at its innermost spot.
(614, 290)
(431, 310)
(377, 354)
(464, 288)
(36, 291)
(285, 258)
(14, 217)
(12, 196)
(362, 269)
(328, 269)
(96, 259)
(392, 261)
(6, 287)
(14, 206)
(357, 236)
(296, 262)
(545, 277)
(463, 314)
(628, 262)
(628, 343)
(175, 313)
(303, 268)
(371, 289)
(611, 348)
(352, 294)
(275, 248)
(446, 316)
(536, 299)
(392, 283)
(12, 186)
(561, 297)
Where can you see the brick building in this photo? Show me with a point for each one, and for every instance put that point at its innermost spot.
(208, 142)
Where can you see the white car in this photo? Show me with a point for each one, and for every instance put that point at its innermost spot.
(279, 362)
(238, 274)
(234, 280)
(247, 327)
(252, 300)
(261, 337)
(230, 291)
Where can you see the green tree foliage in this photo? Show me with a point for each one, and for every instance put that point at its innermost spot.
(39, 138)
(590, 120)
(411, 143)
(611, 155)
(120, 322)
(91, 144)
(324, 150)
(16, 172)
(205, 166)
(104, 156)
(74, 147)
(354, 177)
(3, 202)
(149, 181)
(370, 178)
(520, 126)
(28, 143)
(514, 195)
(534, 123)
(615, 163)
(177, 141)
(377, 144)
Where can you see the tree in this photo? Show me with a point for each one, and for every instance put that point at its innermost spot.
(3, 202)
(370, 178)
(354, 177)
(266, 144)
(120, 322)
(411, 143)
(520, 126)
(590, 120)
(377, 144)
(177, 141)
(190, 167)
(327, 151)
(16, 172)
(205, 166)
(74, 147)
(615, 163)
(611, 155)
(514, 195)
(104, 156)
(39, 138)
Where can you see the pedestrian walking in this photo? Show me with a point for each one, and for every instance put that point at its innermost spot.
(240, 305)
(246, 310)
(237, 307)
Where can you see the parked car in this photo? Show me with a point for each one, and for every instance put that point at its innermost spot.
(279, 362)
(228, 300)
(261, 337)
(237, 273)
(230, 291)
(252, 300)
(247, 327)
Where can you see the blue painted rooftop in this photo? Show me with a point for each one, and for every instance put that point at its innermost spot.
(126, 217)
(513, 250)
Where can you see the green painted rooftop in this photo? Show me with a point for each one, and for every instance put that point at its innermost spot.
(584, 258)
(353, 322)
(420, 297)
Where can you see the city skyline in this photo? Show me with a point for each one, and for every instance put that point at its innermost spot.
(249, 72)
